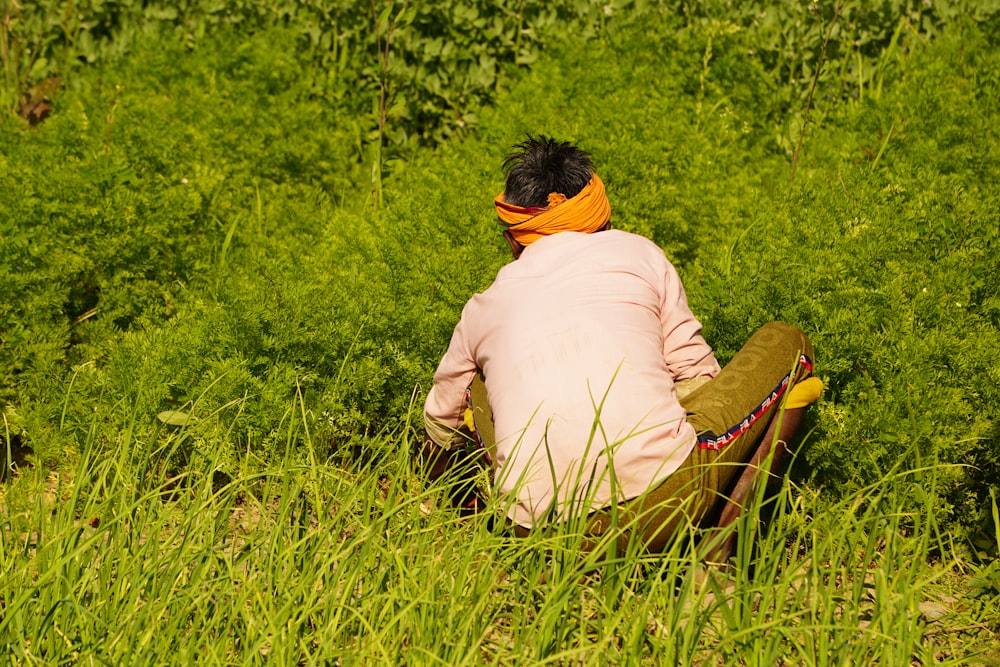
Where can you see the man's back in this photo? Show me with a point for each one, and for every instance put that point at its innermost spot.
(580, 341)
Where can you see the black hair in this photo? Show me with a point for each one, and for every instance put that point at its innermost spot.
(539, 166)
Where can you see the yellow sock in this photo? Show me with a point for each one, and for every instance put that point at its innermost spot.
(804, 393)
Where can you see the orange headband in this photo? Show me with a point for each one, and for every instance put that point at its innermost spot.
(586, 212)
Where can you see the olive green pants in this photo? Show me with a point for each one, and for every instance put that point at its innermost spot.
(730, 414)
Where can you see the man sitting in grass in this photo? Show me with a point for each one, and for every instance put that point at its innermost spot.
(592, 391)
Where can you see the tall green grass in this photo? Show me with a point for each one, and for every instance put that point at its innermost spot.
(300, 562)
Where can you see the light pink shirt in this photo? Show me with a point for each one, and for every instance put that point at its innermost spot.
(581, 341)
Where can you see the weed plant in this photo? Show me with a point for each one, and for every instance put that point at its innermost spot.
(214, 351)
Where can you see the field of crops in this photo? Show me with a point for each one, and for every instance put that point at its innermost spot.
(234, 241)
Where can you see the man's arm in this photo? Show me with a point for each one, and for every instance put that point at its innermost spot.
(445, 405)
(685, 351)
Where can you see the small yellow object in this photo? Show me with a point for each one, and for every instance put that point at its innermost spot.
(804, 393)
(470, 423)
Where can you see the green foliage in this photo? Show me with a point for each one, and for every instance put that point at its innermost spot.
(426, 68)
(191, 232)
(858, 46)
(189, 267)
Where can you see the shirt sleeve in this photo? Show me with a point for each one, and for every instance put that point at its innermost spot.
(445, 404)
(687, 354)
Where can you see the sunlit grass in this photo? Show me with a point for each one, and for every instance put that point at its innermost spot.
(308, 563)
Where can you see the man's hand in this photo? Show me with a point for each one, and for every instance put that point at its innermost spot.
(462, 464)
(434, 459)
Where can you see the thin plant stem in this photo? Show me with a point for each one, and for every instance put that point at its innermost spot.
(383, 102)
(812, 88)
